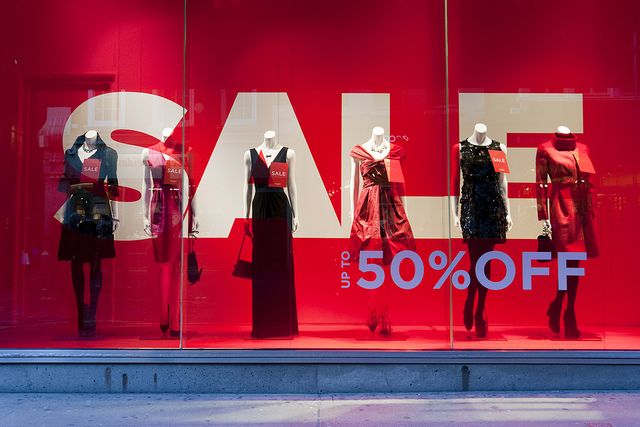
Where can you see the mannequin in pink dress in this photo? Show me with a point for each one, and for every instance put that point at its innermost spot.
(165, 185)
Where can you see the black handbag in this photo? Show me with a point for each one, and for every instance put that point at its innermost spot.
(545, 244)
(243, 268)
(193, 272)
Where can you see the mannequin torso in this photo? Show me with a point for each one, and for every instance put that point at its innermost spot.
(479, 138)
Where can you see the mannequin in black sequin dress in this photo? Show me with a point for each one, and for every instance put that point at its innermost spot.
(484, 212)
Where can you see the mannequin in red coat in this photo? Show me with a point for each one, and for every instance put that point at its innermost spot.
(566, 206)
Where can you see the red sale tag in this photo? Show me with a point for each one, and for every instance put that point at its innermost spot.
(499, 160)
(394, 170)
(278, 173)
(584, 162)
(173, 173)
(90, 170)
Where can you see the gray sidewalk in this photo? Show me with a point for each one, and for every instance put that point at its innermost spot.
(445, 409)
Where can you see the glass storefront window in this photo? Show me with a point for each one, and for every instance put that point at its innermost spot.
(415, 175)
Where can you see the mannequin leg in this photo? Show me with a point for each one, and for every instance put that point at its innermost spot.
(572, 286)
(570, 323)
(174, 298)
(378, 307)
(77, 279)
(382, 305)
(95, 286)
(472, 290)
(476, 249)
(560, 296)
(482, 291)
(372, 312)
(554, 310)
(164, 280)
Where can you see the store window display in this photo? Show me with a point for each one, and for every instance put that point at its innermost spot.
(480, 210)
(272, 216)
(564, 177)
(90, 218)
(379, 220)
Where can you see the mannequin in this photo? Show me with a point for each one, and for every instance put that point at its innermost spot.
(378, 147)
(90, 217)
(165, 177)
(485, 215)
(565, 131)
(379, 220)
(270, 219)
(566, 207)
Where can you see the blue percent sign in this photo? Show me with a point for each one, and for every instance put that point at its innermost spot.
(438, 261)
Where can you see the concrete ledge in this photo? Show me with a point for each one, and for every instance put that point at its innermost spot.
(312, 378)
(27, 371)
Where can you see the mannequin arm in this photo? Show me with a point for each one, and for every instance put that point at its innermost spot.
(112, 184)
(292, 188)
(63, 187)
(114, 214)
(189, 202)
(194, 217)
(146, 190)
(454, 185)
(542, 186)
(247, 190)
(504, 186)
(189, 184)
(355, 187)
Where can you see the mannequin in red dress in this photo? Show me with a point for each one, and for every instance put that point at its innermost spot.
(566, 205)
(164, 183)
(379, 221)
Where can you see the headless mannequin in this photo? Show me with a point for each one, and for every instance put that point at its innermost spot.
(274, 217)
(168, 272)
(87, 150)
(378, 301)
(571, 327)
(379, 148)
(270, 149)
(477, 247)
(87, 313)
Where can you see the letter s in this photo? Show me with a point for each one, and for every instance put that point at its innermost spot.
(113, 111)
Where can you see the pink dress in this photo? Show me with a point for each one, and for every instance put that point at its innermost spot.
(166, 203)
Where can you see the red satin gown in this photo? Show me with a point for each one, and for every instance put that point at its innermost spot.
(380, 222)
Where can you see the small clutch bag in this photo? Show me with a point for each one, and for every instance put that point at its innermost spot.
(243, 268)
(193, 271)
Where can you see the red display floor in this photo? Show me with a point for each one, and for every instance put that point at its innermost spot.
(342, 337)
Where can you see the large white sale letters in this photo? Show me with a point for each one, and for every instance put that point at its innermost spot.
(219, 193)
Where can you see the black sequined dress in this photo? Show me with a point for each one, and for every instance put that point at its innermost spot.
(483, 214)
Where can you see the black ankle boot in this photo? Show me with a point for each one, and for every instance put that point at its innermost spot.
(89, 324)
(554, 316)
(467, 314)
(481, 325)
(385, 325)
(164, 327)
(372, 320)
(571, 330)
